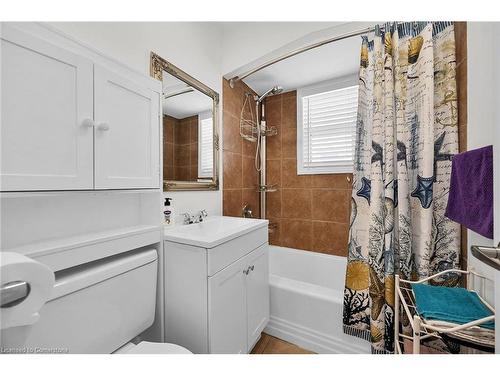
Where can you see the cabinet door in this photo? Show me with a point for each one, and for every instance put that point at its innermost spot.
(227, 310)
(257, 282)
(46, 115)
(127, 133)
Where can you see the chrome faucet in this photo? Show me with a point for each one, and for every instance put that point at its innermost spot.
(201, 215)
(193, 219)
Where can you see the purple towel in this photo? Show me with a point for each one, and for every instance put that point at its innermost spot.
(470, 202)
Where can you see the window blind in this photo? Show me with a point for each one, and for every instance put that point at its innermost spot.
(328, 131)
(206, 144)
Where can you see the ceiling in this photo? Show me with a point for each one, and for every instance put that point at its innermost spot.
(329, 61)
(243, 42)
(185, 104)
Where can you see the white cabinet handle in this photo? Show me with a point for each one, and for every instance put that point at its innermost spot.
(103, 126)
(88, 123)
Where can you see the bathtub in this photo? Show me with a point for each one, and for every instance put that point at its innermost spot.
(306, 291)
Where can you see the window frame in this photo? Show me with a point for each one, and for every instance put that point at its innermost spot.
(318, 88)
(207, 115)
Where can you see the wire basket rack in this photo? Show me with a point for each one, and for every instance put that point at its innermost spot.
(248, 121)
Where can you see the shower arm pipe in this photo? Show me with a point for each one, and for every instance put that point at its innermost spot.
(300, 50)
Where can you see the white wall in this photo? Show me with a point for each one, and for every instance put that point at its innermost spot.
(244, 42)
(481, 97)
(496, 172)
(195, 47)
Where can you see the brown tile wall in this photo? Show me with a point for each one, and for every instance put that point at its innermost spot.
(240, 179)
(180, 148)
(169, 123)
(461, 55)
(309, 212)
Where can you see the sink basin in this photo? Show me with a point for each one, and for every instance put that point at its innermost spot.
(213, 231)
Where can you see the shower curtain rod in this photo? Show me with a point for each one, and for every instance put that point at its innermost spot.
(301, 50)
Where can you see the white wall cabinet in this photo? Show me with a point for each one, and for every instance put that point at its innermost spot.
(214, 306)
(127, 132)
(46, 97)
(70, 124)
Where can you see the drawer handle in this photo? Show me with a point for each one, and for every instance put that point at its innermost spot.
(247, 271)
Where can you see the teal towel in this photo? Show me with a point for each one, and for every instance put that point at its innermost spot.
(456, 305)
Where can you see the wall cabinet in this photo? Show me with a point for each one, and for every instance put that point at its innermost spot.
(68, 123)
(220, 310)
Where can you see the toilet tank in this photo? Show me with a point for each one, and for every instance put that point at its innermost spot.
(98, 307)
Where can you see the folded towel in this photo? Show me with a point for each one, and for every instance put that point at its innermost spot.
(470, 201)
(474, 334)
(456, 305)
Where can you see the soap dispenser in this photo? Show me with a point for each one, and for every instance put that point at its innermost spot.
(168, 212)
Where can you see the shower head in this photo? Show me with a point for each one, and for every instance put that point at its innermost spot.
(272, 91)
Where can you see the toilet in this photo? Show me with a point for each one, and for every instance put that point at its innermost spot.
(98, 307)
(145, 347)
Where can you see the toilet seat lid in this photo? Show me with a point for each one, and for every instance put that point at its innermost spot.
(145, 347)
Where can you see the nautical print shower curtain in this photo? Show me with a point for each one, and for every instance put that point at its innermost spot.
(407, 134)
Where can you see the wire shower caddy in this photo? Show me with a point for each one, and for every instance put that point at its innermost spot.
(248, 125)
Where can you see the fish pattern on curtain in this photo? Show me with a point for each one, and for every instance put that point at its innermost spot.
(407, 134)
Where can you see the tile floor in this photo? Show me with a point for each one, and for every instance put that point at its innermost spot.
(272, 345)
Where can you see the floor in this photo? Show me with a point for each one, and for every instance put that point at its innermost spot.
(273, 345)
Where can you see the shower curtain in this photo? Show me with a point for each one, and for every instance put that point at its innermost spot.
(407, 134)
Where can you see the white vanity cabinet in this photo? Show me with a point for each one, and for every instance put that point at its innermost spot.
(238, 306)
(217, 299)
(68, 123)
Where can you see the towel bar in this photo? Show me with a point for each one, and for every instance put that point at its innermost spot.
(488, 255)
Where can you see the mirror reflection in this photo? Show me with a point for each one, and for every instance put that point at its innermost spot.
(188, 136)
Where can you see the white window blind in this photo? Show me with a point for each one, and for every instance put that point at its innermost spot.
(328, 130)
(205, 145)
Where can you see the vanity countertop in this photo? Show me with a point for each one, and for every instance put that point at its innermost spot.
(213, 231)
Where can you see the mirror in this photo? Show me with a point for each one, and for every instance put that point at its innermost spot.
(190, 137)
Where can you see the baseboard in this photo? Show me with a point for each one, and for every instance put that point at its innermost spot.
(315, 341)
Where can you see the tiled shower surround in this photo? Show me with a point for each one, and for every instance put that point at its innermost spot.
(313, 210)
(240, 179)
(309, 212)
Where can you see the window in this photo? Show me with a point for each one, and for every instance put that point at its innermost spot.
(326, 127)
(205, 145)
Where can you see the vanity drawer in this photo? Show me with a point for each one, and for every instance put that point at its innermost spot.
(223, 255)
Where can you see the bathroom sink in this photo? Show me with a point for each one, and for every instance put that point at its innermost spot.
(213, 231)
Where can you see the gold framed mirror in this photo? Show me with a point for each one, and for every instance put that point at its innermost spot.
(190, 115)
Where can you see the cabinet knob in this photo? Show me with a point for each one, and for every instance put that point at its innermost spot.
(88, 123)
(103, 126)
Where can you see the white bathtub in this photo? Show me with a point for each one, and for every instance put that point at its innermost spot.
(306, 301)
